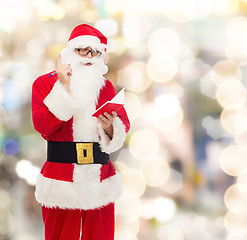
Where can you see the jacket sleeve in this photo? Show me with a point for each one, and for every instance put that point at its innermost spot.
(121, 126)
(43, 120)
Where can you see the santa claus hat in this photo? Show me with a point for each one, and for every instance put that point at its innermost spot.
(87, 36)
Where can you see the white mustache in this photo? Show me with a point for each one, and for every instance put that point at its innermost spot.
(87, 60)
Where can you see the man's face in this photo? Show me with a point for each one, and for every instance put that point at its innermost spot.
(85, 60)
(87, 52)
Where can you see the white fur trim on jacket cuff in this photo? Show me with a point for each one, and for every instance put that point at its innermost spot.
(111, 145)
(60, 102)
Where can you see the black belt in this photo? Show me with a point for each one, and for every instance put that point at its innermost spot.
(76, 152)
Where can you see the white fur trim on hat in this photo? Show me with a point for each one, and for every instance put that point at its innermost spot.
(60, 102)
(85, 192)
(111, 145)
(86, 41)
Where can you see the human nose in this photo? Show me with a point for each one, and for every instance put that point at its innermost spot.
(90, 55)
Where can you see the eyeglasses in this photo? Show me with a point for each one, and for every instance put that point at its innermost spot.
(85, 51)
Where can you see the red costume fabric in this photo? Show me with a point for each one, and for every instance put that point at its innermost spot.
(79, 224)
(72, 187)
(57, 182)
(77, 200)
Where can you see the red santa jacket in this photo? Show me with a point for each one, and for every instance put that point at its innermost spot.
(57, 118)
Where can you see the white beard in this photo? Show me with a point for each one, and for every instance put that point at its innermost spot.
(86, 81)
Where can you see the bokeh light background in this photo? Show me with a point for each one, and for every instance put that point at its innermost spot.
(183, 65)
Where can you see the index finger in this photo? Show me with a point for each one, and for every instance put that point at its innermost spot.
(114, 114)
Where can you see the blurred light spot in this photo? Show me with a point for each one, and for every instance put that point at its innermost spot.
(225, 69)
(11, 147)
(231, 94)
(35, 47)
(236, 237)
(71, 7)
(53, 50)
(59, 13)
(236, 48)
(127, 230)
(28, 236)
(7, 226)
(1, 96)
(114, 6)
(4, 199)
(164, 41)
(27, 171)
(132, 32)
(234, 200)
(109, 27)
(164, 209)
(235, 30)
(180, 11)
(174, 182)
(132, 105)
(213, 127)
(129, 207)
(134, 226)
(155, 5)
(233, 160)
(134, 78)
(224, 7)
(236, 223)
(144, 144)
(241, 139)
(177, 89)
(147, 209)
(133, 182)
(11, 100)
(242, 182)
(88, 14)
(170, 232)
(234, 121)
(207, 86)
(168, 123)
(161, 68)
(115, 45)
(155, 171)
(49, 9)
(236, 53)
(192, 69)
(13, 14)
(125, 233)
(119, 165)
(166, 105)
(198, 229)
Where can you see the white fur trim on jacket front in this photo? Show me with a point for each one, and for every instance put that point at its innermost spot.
(111, 145)
(85, 192)
(60, 102)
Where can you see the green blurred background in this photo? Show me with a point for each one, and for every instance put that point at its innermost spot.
(183, 65)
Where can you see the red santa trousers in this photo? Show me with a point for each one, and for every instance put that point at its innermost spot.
(61, 224)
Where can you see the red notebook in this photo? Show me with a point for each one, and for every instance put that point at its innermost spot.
(113, 105)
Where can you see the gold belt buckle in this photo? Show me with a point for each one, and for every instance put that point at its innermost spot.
(84, 153)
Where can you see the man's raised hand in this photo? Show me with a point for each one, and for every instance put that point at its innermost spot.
(64, 72)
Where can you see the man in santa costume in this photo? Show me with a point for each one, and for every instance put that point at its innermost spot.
(78, 184)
